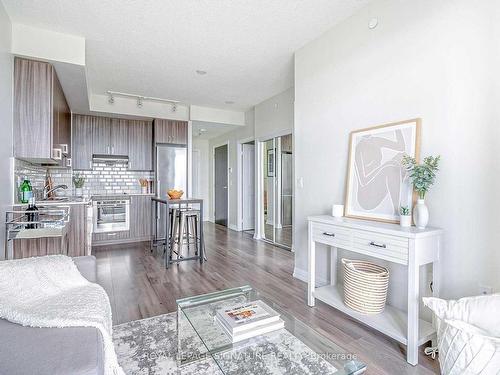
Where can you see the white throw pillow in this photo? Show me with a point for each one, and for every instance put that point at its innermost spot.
(468, 334)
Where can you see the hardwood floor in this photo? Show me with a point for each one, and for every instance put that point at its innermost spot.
(139, 287)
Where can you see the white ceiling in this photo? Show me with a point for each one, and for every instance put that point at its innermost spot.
(154, 47)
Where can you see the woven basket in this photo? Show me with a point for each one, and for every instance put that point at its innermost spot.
(365, 286)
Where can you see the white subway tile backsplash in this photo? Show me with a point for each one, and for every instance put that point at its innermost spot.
(101, 179)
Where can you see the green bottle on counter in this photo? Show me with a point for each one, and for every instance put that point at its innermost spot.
(26, 191)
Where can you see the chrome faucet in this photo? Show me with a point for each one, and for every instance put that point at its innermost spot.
(46, 194)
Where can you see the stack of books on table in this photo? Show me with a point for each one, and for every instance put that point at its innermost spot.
(248, 320)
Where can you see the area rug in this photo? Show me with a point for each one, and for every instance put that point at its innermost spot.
(150, 347)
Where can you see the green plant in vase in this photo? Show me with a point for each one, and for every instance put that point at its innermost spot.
(404, 216)
(422, 177)
(78, 182)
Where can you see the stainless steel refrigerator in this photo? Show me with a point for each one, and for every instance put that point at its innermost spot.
(171, 173)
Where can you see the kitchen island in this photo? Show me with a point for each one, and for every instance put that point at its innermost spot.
(162, 235)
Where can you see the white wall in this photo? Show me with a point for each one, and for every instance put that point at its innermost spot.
(438, 60)
(268, 119)
(221, 116)
(6, 69)
(202, 147)
(232, 138)
(47, 45)
(274, 116)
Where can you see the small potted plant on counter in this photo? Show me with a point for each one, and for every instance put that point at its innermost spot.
(404, 216)
(78, 181)
(422, 176)
(144, 185)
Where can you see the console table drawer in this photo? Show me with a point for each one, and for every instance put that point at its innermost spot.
(331, 235)
(391, 248)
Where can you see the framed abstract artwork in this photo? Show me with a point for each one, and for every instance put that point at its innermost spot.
(377, 184)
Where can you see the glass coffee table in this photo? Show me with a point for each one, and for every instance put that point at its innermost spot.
(294, 349)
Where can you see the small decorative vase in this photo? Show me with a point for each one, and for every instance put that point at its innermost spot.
(421, 214)
(144, 189)
(405, 221)
(79, 192)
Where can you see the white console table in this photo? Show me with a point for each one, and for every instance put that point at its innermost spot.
(410, 247)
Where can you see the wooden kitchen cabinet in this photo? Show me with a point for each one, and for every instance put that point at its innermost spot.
(41, 113)
(119, 137)
(61, 119)
(77, 233)
(100, 239)
(171, 131)
(140, 217)
(101, 135)
(82, 141)
(107, 136)
(140, 145)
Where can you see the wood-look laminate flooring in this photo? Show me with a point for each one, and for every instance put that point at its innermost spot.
(139, 286)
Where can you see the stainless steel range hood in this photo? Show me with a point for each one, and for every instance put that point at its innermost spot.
(110, 159)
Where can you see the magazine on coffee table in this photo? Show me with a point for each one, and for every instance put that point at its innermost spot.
(248, 320)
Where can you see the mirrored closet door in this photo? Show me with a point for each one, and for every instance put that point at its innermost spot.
(278, 190)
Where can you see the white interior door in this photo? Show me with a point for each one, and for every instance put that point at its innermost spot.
(248, 182)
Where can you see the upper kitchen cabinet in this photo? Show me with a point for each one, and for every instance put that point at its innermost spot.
(119, 137)
(42, 120)
(101, 135)
(140, 145)
(171, 131)
(110, 136)
(61, 119)
(82, 141)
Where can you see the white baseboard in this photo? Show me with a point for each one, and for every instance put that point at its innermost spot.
(233, 227)
(304, 275)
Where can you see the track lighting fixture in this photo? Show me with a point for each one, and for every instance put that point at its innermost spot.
(141, 99)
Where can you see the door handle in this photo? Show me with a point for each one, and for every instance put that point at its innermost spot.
(329, 234)
(224, 187)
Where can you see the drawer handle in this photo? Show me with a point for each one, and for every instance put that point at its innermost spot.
(329, 234)
(382, 245)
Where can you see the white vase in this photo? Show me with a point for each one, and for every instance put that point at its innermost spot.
(79, 192)
(421, 214)
(405, 221)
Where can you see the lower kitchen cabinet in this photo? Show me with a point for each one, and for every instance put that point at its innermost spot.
(74, 244)
(140, 217)
(110, 237)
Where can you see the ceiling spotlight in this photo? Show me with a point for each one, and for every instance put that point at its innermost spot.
(229, 102)
(111, 99)
(174, 107)
(139, 102)
(202, 130)
(201, 72)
